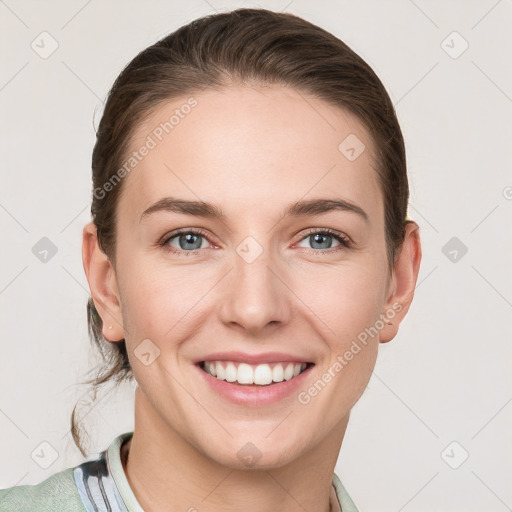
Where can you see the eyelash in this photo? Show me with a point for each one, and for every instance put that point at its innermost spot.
(345, 242)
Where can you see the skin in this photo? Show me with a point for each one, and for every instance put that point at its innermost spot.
(251, 151)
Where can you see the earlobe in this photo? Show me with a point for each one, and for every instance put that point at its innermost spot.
(405, 275)
(102, 283)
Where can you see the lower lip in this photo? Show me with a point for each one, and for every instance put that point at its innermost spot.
(254, 395)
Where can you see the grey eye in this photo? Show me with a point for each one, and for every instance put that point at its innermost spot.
(320, 240)
(187, 241)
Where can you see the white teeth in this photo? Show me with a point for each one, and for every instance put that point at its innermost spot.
(261, 374)
(288, 372)
(230, 372)
(221, 373)
(245, 374)
(278, 373)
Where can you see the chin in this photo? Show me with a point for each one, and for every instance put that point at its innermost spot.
(254, 452)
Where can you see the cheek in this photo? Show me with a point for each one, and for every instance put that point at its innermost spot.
(160, 301)
(347, 300)
(344, 381)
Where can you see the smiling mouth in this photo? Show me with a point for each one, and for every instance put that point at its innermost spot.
(265, 374)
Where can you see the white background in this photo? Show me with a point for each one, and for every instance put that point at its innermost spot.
(446, 377)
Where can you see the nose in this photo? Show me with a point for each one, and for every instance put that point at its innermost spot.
(256, 297)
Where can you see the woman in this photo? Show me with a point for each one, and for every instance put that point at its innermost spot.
(249, 249)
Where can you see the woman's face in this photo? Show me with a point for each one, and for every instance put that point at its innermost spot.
(262, 286)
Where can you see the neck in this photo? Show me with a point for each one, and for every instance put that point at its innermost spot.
(166, 472)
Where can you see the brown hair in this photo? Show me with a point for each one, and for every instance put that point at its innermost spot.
(241, 46)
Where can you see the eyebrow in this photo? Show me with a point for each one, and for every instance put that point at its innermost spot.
(295, 209)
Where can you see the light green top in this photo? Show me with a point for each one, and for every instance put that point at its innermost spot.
(60, 492)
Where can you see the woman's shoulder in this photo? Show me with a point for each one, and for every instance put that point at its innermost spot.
(58, 492)
(88, 487)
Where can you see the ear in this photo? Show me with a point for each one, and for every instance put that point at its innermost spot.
(102, 283)
(402, 283)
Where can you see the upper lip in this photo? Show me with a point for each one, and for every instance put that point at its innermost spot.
(264, 357)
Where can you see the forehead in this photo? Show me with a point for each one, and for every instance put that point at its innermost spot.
(246, 147)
